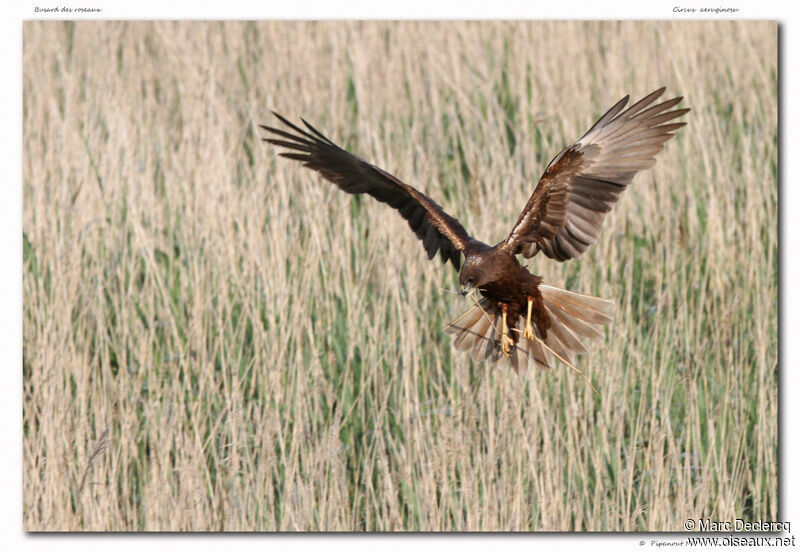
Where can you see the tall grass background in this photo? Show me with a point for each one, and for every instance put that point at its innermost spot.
(217, 339)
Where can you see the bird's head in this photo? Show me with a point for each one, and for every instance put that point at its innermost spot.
(472, 276)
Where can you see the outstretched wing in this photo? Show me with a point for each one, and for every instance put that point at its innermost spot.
(565, 213)
(437, 230)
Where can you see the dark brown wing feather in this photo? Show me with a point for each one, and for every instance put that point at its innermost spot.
(437, 230)
(565, 213)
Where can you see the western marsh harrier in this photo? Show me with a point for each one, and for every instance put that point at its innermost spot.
(562, 218)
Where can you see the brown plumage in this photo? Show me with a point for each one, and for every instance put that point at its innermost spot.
(562, 218)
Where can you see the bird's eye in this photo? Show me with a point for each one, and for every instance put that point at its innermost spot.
(470, 281)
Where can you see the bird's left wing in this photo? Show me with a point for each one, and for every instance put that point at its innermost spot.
(565, 213)
(437, 230)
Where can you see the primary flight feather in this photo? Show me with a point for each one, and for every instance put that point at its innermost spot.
(562, 218)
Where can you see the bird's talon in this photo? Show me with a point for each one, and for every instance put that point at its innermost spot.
(528, 333)
(508, 345)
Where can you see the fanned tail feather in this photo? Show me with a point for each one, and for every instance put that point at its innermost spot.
(574, 319)
(478, 330)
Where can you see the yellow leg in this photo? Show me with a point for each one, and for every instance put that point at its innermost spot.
(507, 342)
(528, 333)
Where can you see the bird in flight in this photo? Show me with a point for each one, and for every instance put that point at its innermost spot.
(518, 316)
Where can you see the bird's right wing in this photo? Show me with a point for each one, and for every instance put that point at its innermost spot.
(437, 230)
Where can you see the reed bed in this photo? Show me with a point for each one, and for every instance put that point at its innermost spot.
(217, 339)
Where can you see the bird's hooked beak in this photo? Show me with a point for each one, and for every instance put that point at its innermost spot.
(466, 288)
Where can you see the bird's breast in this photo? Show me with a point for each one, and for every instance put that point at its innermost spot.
(513, 283)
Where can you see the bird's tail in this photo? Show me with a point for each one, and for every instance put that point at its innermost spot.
(574, 319)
